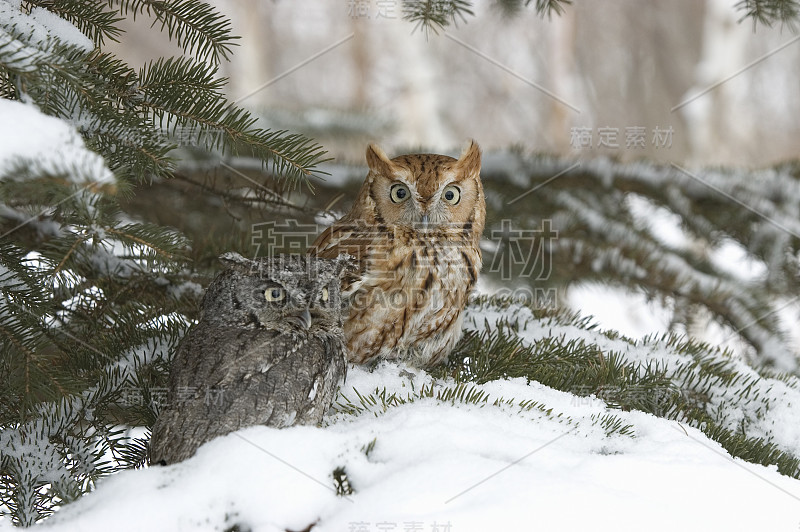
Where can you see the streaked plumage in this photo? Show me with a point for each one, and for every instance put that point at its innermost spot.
(268, 350)
(414, 229)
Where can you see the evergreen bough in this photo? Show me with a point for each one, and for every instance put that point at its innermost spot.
(436, 15)
(692, 383)
(92, 303)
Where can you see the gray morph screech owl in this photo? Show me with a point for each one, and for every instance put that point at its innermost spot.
(268, 350)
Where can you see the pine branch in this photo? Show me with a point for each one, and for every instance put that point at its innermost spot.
(687, 381)
(754, 450)
(118, 108)
(195, 26)
(207, 116)
(20, 55)
(543, 7)
(549, 7)
(158, 79)
(95, 90)
(46, 462)
(87, 15)
(92, 306)
(571, 366)
(595, 235)
(119, 82)
(260, 198)
(768, 12)
(435, 15)
(134, 153)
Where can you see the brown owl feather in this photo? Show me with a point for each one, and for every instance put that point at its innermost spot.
(414, 230)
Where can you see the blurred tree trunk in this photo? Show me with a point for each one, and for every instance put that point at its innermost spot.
(562, 44)
(252, 66)
(718, 122)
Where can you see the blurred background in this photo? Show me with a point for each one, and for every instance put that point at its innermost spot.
(665, 81)
(347, 72)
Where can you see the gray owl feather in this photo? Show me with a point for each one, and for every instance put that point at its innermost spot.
(268, 350)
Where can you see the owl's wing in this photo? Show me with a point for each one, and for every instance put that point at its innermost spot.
(214, 356)
(259, 352)
(223, 379)
(352, 239)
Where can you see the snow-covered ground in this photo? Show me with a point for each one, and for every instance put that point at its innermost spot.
(436, 465)
(540, 459)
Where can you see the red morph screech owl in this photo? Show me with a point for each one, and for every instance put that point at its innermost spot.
(415, 231)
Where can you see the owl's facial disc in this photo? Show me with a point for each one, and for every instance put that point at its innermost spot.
(302, 320)
(412, 209)
(437, 209)
(434, 211)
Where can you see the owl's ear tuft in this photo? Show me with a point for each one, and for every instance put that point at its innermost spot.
(470, 161)
(378, 161)
(232, 259)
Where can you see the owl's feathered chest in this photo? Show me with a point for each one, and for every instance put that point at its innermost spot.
(407, 302)
(425, 261)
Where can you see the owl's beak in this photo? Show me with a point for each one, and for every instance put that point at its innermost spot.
(305, 318)
(425, 220)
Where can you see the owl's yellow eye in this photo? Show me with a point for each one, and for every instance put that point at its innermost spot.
(275, 294)
(451, 194)
(399, 193)
(324, 296)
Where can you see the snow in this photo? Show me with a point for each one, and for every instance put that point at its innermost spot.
(474, 468)
(769, 410)
(40, 27)
(28, 41)
(32, 144)
(325, 219)
(627, 312)
(523, 457)
(185, 289)
(38, 145)
(734, 260)
(728, 256)
(61, 29)
(663, 224)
